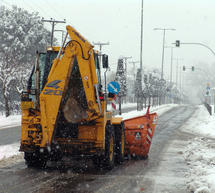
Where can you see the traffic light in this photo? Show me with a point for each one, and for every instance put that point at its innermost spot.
(177, 43)
(184, 68)
(192, 68)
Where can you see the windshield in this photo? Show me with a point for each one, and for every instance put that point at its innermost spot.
(45, 63)
(97, 64)
(45, 66)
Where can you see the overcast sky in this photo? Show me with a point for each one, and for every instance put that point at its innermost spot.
(118, 22)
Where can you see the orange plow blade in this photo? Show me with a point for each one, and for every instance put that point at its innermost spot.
(139, 132)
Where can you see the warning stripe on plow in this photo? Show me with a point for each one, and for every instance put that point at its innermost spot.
(149, 136)
(144, 126)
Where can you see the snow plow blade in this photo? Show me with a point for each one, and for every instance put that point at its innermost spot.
(139, 132)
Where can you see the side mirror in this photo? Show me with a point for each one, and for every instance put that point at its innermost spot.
(105, 61)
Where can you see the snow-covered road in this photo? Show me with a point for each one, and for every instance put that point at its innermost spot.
(192, 154)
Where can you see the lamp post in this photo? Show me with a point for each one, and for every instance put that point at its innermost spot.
(164, 33)
(177, 66)
(139, 71)
(171, 63)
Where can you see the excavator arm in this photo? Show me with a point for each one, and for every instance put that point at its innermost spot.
(72, 87)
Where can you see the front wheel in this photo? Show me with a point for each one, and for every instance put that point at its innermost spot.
(120, 143)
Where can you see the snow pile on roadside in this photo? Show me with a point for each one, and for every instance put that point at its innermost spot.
(200, 152)
(13, 120)
(200, 156)
(124, 105)
(10, 150)
(201, 123)
(159, 110)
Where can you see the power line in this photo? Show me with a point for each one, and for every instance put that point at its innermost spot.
(53, 8)
(32, 5)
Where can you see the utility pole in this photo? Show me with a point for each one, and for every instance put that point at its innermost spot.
(141, 39)
(126, 58)
(134, 71)
(163, 47)
(171, 63)
(134, 67)
(100, 44)
(53, 22)
(62, 34)
(177, 65)
(139, 72)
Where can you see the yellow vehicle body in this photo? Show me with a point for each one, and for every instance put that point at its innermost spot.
(66, 116)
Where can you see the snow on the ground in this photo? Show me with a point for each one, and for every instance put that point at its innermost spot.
(13, 120)
(124, 105)
(201, 123)
(10, 150)
(200, 152)
(200, 157)
(158, 109)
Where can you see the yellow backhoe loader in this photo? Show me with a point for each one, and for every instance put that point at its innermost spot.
(64, 108)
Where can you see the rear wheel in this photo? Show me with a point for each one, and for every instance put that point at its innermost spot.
(145, 157)
(109, 147)
(120, 143)
(35, 159)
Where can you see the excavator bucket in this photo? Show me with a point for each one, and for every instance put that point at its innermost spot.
(139, 132)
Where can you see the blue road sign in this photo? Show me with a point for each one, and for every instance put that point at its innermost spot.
(113, 87)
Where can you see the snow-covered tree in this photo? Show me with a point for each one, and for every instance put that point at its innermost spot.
(21, 35)
(121, 78)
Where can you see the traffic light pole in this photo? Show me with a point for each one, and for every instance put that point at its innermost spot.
(178, 43)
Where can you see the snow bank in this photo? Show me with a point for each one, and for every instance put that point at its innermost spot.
(201, 123)
(10, 150)
(159, 110)
(200, 156)
(124, 105)
(200, 152)
(13, 120)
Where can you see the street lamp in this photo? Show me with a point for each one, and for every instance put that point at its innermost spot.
(171, 63)
(164, 32)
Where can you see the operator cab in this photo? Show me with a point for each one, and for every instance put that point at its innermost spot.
(41, 69)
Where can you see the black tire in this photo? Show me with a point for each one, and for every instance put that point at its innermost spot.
(97, 162)
(138, 157)
(143, 157)
(108, 161)
(120, 143)
(35, 160)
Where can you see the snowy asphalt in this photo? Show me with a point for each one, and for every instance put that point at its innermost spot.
(163, 172)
